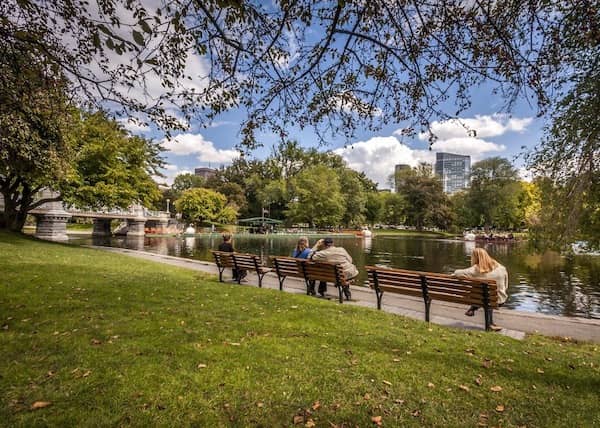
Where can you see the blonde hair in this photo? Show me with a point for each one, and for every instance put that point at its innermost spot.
(483, 260)
(302, 244)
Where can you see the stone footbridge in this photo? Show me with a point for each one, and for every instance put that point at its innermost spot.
(52, 217)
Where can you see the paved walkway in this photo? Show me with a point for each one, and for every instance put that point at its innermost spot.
(515, 323)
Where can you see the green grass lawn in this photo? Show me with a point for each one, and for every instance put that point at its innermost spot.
(105, 340)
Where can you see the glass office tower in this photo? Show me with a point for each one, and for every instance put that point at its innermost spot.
(454, 170)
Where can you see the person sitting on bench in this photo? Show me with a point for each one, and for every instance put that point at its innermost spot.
(484, 266)
(325, 251)
(227, 246)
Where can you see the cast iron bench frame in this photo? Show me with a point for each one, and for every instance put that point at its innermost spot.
(435, 286)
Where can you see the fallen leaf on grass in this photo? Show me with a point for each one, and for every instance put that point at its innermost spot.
(234, 343)
(478, 380)
(260, 404)
(309, 423)
(540, 371)
(40, 405)
(430, 385)
(387, 383)
(87, 373)
(316, 405)
(396, 360)
(376, 420)
(464, 388)
(416, 413)
(367, 396)
(201, 366)
(500, 408)
(398, 401)
(96, 342)
(298, 419)
(496, 388)
(487, 363)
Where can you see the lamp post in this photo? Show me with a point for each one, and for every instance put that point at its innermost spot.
(168, 202)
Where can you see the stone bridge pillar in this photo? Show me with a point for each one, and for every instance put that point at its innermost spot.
(135, 226)
(101, 227)
(52, 225)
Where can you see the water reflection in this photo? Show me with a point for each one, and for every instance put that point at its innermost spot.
(547, 283)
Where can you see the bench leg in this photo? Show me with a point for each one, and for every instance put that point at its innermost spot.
(427, 308)
(281, 279)
(488, 319)
(221, 270)
(379, 295)
(260, 278)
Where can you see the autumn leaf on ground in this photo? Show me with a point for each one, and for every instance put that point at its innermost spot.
(40, 405)
(430, 385)
(487, 363)
(540, 371)
(496, 388)
(416, 413)
(260, 404)
(367, 396)
(96, 342)
(478, 380)
(309, 423)
(298, 419)
(387, 383)
(500, 408)
(376, 420)
(464, 388)
(316, 405)
(201, 366)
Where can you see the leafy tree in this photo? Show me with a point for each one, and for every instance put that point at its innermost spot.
(187, 181)
(426, 202)
(354, 196)
(394, 205)
(111, 168)
(374, 207)
(316, 198)
(495, 194)
(46, 143)
(205, 205)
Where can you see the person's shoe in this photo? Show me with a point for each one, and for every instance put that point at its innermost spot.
(347, 293)
(470, 312)
(495, 327)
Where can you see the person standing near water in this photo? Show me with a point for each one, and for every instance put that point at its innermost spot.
(484, 266)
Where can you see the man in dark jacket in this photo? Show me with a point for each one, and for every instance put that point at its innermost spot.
(227, 247)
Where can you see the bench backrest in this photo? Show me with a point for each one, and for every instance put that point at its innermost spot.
(246, 261)
(288, 266)
(437, 286)
(222, 258)
(323, 271)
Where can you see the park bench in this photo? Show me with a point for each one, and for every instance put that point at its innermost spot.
(288, 266)
(240, 262)
(310, 271)
(223, 260)
(435, 286)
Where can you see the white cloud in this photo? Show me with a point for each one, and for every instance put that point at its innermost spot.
(134, 126)
(474, 147)
(188, 144)
(482, 125)
(170, 171)
(378, 156)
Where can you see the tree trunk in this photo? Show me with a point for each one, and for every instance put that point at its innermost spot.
(15, 213)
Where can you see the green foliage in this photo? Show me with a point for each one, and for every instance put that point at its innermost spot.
(496, 195)
(205, 205)
(187, 181)
(355, 198)
(393, 206)
(316, 198)
(425, 201)
(112, 169)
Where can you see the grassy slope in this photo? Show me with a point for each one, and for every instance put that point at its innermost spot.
(110, 340)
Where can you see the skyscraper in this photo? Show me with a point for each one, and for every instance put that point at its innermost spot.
(454, 170)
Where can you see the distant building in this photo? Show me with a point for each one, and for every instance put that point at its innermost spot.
(205, 172)
(454, 170)
(398, 174)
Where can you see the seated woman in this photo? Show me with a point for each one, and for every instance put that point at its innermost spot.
(484, 266)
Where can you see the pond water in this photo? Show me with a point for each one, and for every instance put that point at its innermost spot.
(546, 283)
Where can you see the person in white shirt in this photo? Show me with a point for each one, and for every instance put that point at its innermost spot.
(484, 266)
